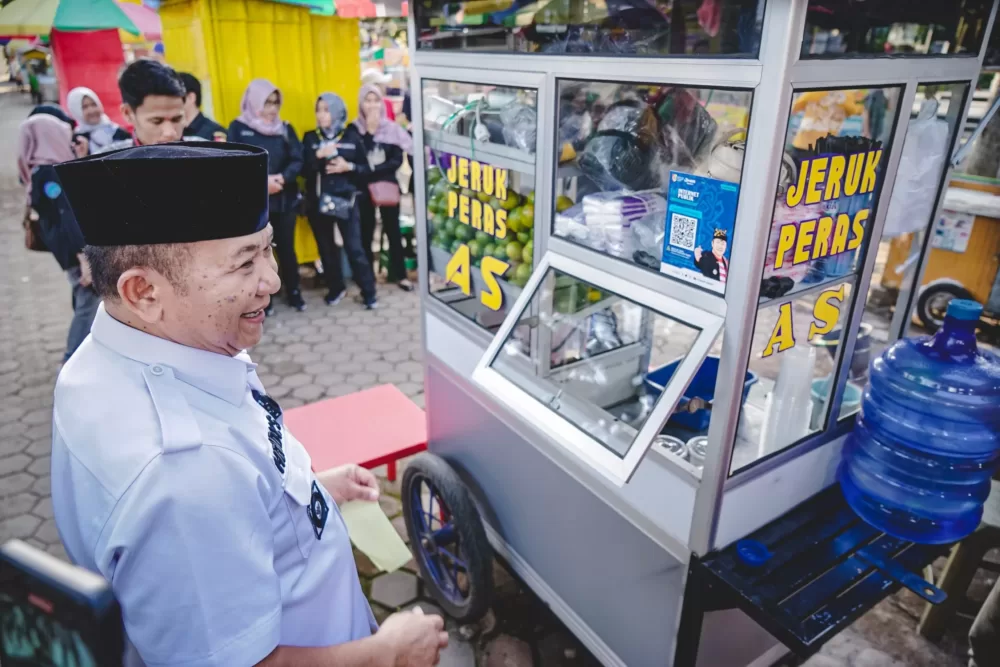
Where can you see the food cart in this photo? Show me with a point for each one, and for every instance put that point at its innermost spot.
(645, 231)
(964, 257)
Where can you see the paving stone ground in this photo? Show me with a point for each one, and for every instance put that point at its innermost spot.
(305, 357)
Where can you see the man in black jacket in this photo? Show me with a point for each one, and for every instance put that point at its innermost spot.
(199, 126)
(152, 102)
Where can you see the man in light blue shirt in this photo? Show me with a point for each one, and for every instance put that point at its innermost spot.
(173, 475)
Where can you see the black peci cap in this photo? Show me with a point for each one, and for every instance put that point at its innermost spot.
(168, 193)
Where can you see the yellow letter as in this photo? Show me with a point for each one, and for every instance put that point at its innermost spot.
(782, 336)
(492, 296)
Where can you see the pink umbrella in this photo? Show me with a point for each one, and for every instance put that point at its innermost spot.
(144, 18)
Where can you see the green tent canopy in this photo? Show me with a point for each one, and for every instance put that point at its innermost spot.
(79, 15)
(38, 17)
(323, 7)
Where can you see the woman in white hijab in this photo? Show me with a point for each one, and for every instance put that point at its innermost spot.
(93, 124)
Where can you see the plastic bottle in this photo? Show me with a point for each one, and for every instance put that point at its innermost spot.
(926, 443)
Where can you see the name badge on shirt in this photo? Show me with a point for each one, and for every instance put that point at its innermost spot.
(318, 510)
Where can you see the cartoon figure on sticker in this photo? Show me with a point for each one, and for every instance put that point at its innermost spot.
(714, 264)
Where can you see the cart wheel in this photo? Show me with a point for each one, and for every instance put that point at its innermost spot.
(448, 539)
(933, 303)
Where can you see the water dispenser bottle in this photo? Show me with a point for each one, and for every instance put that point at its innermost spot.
(919, 461)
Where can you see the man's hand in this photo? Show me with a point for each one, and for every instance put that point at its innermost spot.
(338, 166)
(275, 184)
(327, 150)
(350, 482)
(85, 277)
(697, 254)
(413, 639)
(81, 146)
(406, 639)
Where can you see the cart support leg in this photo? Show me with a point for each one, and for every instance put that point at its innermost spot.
(390, 471)
(692, 617)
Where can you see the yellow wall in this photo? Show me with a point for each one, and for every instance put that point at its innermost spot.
(226, 43)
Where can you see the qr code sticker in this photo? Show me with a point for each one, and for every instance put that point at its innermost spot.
(683, 231)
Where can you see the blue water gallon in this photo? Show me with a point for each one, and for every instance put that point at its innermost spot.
(927, 440)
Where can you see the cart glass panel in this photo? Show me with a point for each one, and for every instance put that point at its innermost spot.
(589, 27)
(843, 29)
(934, 118)
(609, 367)
(479, 159)
(650, 174)
(836, 148)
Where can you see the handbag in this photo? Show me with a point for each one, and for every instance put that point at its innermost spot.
(384, 193)
(33, 231)
(337, 207)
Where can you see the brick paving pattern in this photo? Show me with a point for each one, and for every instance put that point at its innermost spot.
(304, 357)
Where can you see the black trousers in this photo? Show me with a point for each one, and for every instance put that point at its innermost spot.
(390, 225)
(350, 231)
(284, 238)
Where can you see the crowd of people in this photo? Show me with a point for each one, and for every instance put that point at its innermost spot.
(348, 170)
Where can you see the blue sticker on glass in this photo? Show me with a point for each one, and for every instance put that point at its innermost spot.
(52, 190)
(701, 213)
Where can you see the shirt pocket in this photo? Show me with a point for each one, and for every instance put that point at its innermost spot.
(298, 494)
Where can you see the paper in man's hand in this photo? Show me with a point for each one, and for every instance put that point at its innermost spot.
(374, 535)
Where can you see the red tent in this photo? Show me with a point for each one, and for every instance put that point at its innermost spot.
(92, 59)
(353, 9)
(363, 9)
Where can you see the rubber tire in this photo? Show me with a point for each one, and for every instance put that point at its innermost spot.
(957, 292)
(475, 545)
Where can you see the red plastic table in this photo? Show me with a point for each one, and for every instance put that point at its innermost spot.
(372, 427)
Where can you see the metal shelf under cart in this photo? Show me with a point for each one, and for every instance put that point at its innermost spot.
(822, 569)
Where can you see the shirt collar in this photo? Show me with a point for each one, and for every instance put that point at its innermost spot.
(217, 374)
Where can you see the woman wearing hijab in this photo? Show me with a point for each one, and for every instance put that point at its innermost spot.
(45, 141)
(333, 152)
(53, 110)
(94, 130)
(260, 125)
(384, 142)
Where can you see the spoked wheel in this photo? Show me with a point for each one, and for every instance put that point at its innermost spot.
(448, 539)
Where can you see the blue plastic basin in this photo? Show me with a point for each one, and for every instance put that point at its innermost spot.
(702, 386)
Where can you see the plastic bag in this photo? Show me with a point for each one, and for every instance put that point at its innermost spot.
(630, 224)
(519, 122)
(624, 154)
(687, 129)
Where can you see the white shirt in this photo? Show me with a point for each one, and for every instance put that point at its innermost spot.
(171, 480)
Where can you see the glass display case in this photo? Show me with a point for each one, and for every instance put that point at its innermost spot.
(880, 28)
(837, 144)
(934, 120)
(657, 271)
(479, 161)
(611, 361)
(632, 155)
(592, 27)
